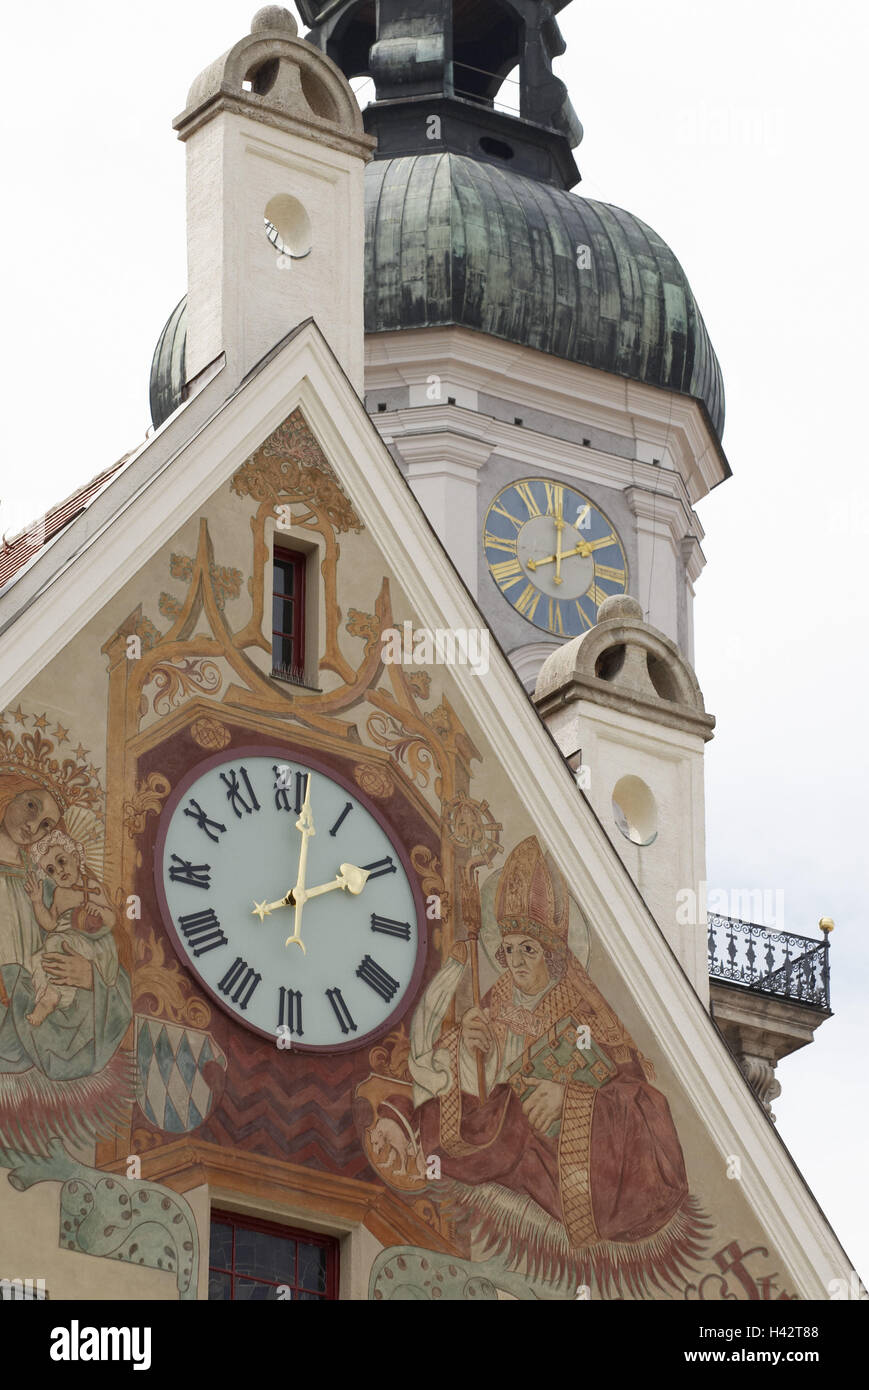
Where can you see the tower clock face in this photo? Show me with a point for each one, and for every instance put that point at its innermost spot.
(553, 554)
(289, 900)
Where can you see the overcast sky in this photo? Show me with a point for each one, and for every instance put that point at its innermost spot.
(735, 129)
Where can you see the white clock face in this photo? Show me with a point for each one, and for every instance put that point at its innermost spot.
(257, 850)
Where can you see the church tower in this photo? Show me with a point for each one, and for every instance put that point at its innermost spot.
(535, 360)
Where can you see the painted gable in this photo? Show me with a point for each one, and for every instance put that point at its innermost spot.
(605, 1144)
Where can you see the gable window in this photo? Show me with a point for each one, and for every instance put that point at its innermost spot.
(258, 1260)
(288, 615)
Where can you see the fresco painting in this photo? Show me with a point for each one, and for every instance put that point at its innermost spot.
(510, 1126)
(65, 1076)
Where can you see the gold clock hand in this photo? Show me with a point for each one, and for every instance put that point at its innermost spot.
(263, 910)
(351, 879)
(596, 545)
(305, 824)
(581, 549)
(559, 526)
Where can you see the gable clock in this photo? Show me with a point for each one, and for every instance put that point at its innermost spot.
(290, 899)
(553, 554)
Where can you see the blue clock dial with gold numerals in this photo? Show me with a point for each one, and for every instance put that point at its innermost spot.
(553, 554)
(289, 899)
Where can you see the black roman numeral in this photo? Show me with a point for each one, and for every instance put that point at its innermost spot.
(197, 875)
(389, 927)
(234, 793)
(375, 976)
(202, 931)
(290, 1010)
(342, 1013)
(284, 785)
(379, 867)
(202, 820)
(341, 819)
(241, 977)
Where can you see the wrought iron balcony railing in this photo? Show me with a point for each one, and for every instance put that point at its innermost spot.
(770, 962)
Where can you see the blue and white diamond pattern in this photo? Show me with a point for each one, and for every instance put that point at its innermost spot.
(170, 1087)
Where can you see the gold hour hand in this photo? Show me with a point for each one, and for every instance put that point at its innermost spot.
(584, 548)
(351, 879)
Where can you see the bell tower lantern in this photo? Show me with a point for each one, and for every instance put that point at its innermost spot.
(440, 65)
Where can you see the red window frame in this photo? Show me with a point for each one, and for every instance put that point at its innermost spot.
(288, 1233)
(295, 561)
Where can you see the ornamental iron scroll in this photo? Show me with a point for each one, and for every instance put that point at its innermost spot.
(790, 967)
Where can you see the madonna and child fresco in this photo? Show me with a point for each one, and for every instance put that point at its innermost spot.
(568, 1166)
(66, 1079)
(64, 999)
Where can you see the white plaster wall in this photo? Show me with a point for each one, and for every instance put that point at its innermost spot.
(447, 494)
(30, 1249)
(238, 299)
(670, 762)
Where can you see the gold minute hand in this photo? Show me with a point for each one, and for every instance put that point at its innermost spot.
(305, 824)
(559, 526)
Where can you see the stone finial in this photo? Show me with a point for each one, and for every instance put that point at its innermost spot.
(273, 76)
(623, 606)
(625, 663)
(274, 17)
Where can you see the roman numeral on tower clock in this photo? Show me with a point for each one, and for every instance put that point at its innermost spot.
(290, 1010)
(379, 980)
(273, 875)
(342, 1013)
(202, 931)
(241, 978)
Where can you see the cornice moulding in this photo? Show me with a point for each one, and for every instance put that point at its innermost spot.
(568, 389)
(528, 446)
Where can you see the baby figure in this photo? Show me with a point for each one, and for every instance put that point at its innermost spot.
(73, 909)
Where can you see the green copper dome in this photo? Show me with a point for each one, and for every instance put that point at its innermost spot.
(455, 240)
(167, 366)
(469, 220)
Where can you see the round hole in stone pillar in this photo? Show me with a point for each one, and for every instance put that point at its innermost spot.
(288, 226)
(634, 811)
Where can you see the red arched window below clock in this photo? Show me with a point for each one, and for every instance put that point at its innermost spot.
(259, 1260)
